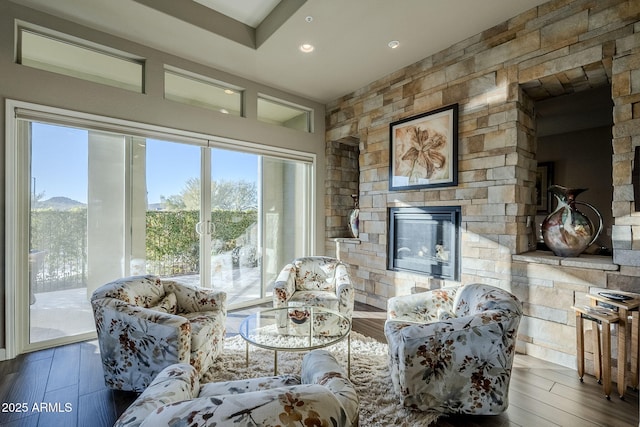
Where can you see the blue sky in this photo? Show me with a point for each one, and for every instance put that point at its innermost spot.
(60, 162)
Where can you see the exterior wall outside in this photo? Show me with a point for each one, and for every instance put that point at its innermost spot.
(41, 87)
(491, 77)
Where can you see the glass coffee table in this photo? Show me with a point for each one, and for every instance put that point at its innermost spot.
(261, 329)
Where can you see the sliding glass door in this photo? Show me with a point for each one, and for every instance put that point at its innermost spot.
(104, 205)
(165, 238)
(236, 249)
(58, 220)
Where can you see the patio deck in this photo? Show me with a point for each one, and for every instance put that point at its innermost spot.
(68, 312)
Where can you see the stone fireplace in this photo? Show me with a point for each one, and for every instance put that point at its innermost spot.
(425, 240)
(496, 78)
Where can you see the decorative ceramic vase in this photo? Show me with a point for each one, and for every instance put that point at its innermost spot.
(566, 230)
(354, 218)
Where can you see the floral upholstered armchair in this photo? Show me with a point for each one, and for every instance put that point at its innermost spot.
(451, 350)
(324, 396)
(314, 281)
(145, 324)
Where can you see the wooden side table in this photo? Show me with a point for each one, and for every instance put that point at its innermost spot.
(605, 319)
(625, 308)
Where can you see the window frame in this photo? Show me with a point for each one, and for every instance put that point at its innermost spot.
(282, 103)
(213, 83)
(137, 83)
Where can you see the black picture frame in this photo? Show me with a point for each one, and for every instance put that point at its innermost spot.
(423, 150)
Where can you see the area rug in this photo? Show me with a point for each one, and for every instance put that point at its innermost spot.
(379, 407)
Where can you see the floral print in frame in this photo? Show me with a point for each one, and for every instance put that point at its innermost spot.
(424, 150)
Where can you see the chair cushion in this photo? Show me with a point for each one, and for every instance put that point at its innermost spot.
(247, 385)
(314, 274)
(325, 299)
(168, 304)
(202, 329)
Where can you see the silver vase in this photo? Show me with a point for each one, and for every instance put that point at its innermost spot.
(354, 218)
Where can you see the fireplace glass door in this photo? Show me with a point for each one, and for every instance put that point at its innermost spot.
(425, 240)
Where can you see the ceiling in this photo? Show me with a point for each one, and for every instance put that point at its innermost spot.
(259, 39)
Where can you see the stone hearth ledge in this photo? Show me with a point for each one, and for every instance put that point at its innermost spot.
(593, 262)
(338, 241)
(346, 240)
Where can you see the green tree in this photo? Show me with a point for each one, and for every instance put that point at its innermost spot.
(234, 195)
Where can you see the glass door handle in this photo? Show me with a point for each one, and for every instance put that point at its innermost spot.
(209, 227)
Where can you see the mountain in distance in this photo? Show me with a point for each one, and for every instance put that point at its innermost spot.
(59, 203)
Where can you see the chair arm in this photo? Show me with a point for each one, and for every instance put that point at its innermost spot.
(421, 307)
(345, 290)
(174, 383)
(137, 314)
(342, 275)
(168, 334)
(193, 299)
(320, 367)
(305, 404)
(284, 286)
(489, 333)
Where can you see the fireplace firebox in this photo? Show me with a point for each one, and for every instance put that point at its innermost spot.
(425, 240)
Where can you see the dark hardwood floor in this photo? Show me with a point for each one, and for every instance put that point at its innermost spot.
(64, 387)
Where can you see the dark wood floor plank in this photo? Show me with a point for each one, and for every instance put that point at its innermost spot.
(27, 388)
(96, 409)
(501, 420)
(91, 376)
(527, 375)
(29, 421)
(624, 411)
(61, 406)
(546, 414)
(580, 410)
(5, 385)
(67, 356)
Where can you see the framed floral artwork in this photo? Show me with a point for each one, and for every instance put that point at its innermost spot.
(424, 150)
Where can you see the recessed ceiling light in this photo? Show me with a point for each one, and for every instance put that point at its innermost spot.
(224, 111)
(229, 92)
(306, 48)
(394, 44)
(309, 18)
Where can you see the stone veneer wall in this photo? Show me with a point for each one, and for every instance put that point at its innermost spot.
(558, 47)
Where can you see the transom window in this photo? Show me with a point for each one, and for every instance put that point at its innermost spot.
(98, 64)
